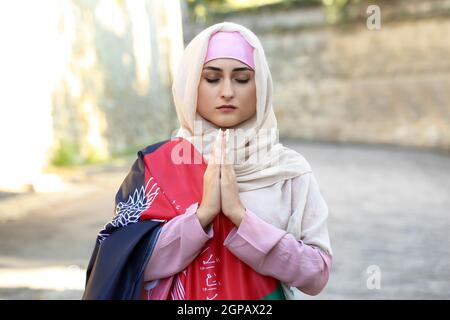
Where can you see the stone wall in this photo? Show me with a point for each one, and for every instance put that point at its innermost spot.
(345, 83)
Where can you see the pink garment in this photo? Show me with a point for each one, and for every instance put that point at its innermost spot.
(232, 45)
(274, 252)
(267, 249)
(179, 242)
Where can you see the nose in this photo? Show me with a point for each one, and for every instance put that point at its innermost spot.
(227, 91)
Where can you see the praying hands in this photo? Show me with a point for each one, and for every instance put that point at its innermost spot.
(220, 189)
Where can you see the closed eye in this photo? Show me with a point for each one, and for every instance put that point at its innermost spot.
(215, 80)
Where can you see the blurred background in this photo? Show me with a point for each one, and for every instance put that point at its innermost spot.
(361, 89)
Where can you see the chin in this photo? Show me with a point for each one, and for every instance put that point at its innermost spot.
(224, 123)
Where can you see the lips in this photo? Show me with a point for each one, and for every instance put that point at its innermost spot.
(227, 106)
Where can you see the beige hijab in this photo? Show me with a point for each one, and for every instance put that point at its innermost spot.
(259, 159)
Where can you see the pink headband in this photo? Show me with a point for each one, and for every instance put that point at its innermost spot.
(230, 45)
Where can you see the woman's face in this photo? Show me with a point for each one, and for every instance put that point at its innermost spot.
(226, 82)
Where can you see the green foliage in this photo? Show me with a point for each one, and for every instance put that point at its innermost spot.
(206, 11)
(201, 10)
(93, 157)
(68, 153)
(338, 10)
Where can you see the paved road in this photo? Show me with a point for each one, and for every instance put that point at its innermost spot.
(389, 215)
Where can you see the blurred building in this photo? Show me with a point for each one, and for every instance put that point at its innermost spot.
(84, 80)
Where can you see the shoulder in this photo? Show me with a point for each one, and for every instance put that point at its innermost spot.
(294, 160)
(151, 148)
(176, 151)
(164, 147)
(298, 162)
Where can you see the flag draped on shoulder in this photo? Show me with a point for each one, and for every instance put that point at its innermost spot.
(158, 188)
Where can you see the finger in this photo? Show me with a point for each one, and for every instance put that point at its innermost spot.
(226, 168)
(218, 159)
(223, 176)
(227, 150)
(227, 135)
(214, 147)
(227, 172)
(223, 149)
(227, 180)
(215, 152)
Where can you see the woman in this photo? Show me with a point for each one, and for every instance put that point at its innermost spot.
(215, 215)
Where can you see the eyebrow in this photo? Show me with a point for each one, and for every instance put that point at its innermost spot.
(235, 69)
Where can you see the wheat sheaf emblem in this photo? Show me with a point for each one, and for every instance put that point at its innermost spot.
(130, 211)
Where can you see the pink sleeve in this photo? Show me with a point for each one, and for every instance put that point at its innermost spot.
(179, 242)
(274, 252)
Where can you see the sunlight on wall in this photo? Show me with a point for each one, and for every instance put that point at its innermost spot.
(96, 146)
(28, 74)
(111, 16)
(174, 31)
(141, 43)
(55, 90)
(241, 4)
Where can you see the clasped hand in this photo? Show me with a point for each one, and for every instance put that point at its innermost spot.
(220, 189)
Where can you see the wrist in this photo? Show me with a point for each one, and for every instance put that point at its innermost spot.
(237, 216)
(203, 218)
